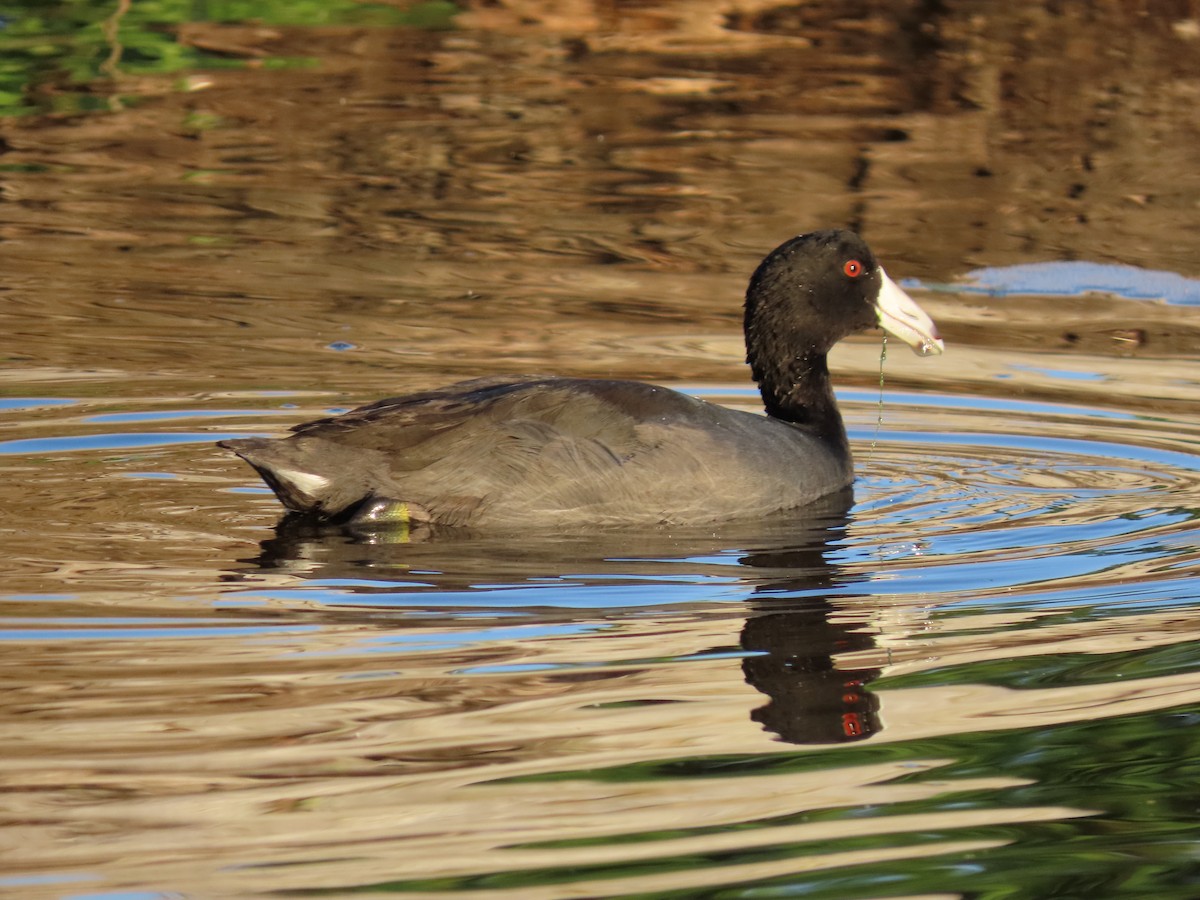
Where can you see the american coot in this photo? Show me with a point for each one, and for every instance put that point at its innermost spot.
(545, 451)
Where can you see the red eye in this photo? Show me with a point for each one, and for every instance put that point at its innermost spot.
(853, 268)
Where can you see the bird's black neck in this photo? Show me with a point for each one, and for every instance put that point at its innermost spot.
(801, 392)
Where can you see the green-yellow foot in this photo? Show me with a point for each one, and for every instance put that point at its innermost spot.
(398, 516)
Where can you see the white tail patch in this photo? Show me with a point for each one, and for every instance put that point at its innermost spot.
(303, 482)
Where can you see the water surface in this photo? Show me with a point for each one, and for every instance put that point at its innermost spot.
(976, 676)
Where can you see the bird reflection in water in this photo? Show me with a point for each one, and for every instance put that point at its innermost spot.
(792, 634)
(796, 637)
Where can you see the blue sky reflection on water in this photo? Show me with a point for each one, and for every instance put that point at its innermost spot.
(109, 441)
(1072, 279)
(1110, 455)
(167, 631)
(1076, 278)
(167, 415)
(579, 592)
(21, 404)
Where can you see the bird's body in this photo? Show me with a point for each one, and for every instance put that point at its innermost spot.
(545, 451)
(551, 452)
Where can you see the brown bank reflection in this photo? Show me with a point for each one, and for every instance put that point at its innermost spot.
(791, 635)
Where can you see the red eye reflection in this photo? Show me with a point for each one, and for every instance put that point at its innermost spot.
(853, 268)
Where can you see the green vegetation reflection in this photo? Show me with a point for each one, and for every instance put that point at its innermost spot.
(1056, 670)
(1124, 815)
(66, 56)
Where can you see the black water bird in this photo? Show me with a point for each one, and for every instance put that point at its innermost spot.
(552, 452)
